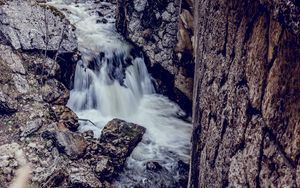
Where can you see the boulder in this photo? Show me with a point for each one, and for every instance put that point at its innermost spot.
(7, 105)
(72, 144)
(153, 166)
(117, 141)
(55, 92)
(119, 137)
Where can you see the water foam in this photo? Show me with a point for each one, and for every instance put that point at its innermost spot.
(119, 86)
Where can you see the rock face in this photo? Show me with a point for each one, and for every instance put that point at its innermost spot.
(42, 29)
(246, 110)
(163, 29)
(31, 26)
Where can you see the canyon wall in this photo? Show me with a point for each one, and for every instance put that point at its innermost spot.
(163, 30)
(246, 103)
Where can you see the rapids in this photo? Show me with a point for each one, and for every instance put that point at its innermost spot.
(112, 81)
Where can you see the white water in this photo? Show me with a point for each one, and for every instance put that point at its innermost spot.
(101, 95)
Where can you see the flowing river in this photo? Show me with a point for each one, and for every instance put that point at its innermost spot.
(112, 81)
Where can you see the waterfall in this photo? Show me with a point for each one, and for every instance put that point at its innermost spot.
(115, 88)
(112, 81)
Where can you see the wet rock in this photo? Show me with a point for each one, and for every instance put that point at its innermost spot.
(88, 134)
(153, 166)
(72, 144)
(183, 172)
(121, 137)
(153, 26)
(104, 169)
(51, 30)
(117, 141)
(103, 20)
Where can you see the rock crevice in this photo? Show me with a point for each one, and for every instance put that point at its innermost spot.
(247, 73)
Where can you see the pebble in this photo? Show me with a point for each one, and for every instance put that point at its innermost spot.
(34, 159)
(7, 170)
(74, 170)
(38, 169)
(166, 16)
(4, 163)
(14, 164)
(32, 145)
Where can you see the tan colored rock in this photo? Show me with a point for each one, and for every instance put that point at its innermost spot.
(66, 117)
(184, 84)
(187, 19)
(246, 110)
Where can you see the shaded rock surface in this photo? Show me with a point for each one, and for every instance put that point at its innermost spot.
(246, 110)
(163, 30)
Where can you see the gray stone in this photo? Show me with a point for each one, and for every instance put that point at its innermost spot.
(140, 5)
(31, 127)
(171, 8)
(31, 26)
(166, 16)
(7, 105)
(72, 144)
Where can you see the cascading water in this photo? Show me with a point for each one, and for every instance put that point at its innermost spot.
(112, 81)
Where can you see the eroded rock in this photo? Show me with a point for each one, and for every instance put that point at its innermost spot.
(72, 144)
(31, 26)
(121, 137)
(246, 95)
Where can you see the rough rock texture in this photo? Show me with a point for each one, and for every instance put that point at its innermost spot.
(41, 126)
(163, 29)
(26, 112)
(42, 29)
(246, 110)
(34, 118)
(119, 138)
(30, 26)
